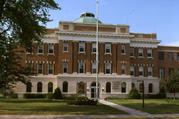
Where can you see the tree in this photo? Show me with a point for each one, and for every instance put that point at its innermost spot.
(57, 94)
(22, 22)
(172, 83)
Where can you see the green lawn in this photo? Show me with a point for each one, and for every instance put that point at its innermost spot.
(28, 107)
(154, 106)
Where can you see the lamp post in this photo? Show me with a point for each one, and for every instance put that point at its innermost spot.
(143, 93)
(97, 40)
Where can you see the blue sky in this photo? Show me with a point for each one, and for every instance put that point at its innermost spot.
(146, 16)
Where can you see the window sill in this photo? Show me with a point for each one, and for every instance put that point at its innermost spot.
(81, 52)
(123, 53)
(140, 56)
(65, 51)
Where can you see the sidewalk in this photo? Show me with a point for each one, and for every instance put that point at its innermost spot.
(125, 109)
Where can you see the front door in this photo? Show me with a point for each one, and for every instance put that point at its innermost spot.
(93, 90)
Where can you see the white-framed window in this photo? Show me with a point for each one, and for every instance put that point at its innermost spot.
(123, 49)
(161, 73)
(150, 71)
(50, 68)
(93, 48)
(141, 71)
(140, 52)
(177, 56)
(107, 68)
(50, 48)
(40, 49)
(149, 53)
(131, 52)
(65, 47)
(81, 47)
(81, 67)
(132, 73)
(93, 67)
(107, 48)
(65, 67)
(40, 68)
(123, 69)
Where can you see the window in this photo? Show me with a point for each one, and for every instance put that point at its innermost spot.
(161, 55)
(107, 48)
(81, 88)
(107, 68)
(94, 67)
(29, 87)
(177, 56)
(132, 71)
(150, 71)
(40, 68)
(141, 85)
(65, 86)
(123, 87)
(149, 53)
(141, 71)
(161, 73)
(50, 48)
(132, 52)
(150, 88)
(133, 85)
(29, 50)
(170, 71)
(81, 47)
(65, 47)
(50, 87)
(81, 67)
(123, 49)
(123, 69)
(93, 47)
(170, 56)
(39, 87)
(140, 52)
(108, 87)
(40, 49)
(65, 67)
(50, 68)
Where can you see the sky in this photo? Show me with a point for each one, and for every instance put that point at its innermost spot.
(143, 16)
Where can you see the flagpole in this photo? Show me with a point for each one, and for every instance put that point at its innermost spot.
(97, 52)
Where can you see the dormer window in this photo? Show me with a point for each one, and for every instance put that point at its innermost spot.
(50, 48)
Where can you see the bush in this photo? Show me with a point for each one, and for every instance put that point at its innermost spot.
(31, 96)
(134, 94)
(83, 101)
(57, 94)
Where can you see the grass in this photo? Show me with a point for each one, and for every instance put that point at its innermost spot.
(51, 107)
(153, 106)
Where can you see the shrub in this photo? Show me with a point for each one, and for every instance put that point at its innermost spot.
(134, 94)
(85, 101)
(31, 96)
(57, 94)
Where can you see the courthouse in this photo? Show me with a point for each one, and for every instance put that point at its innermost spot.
(66, 58)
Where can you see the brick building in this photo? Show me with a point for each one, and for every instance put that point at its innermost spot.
(66, 59)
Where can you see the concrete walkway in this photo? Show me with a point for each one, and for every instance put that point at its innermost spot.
(120, 116)
(125, 109)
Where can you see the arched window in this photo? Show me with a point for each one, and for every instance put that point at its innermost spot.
(29, 87)
(123, 87)
(150, 88)
(108, 87)
(39, 87)
(133, 85)
(81, 89)
(50, 87)
(65, 86)
(141, 87)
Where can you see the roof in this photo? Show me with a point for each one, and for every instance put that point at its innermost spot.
(87, 18)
